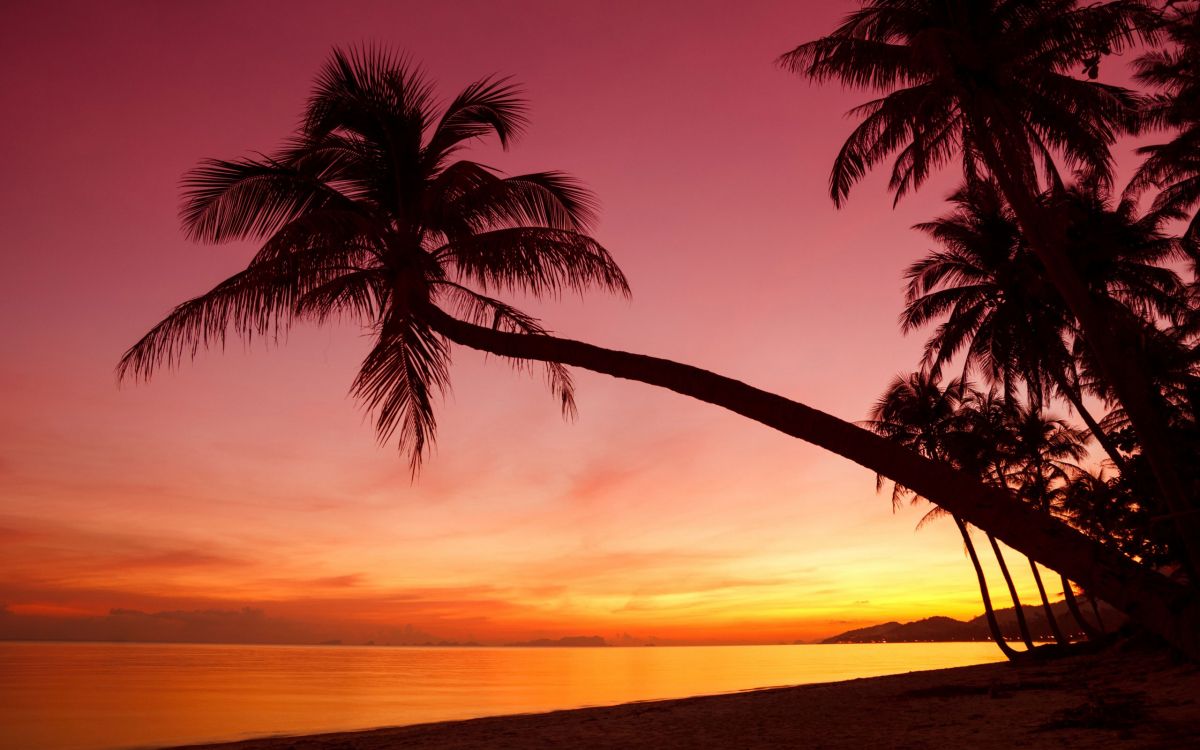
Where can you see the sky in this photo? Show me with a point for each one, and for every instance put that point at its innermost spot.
(245, 497)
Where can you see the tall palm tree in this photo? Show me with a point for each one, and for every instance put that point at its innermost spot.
(990, 295)
(918, 412)
(990, 81)
(988, 289)
(364, 214)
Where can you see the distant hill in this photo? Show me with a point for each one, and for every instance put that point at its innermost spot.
(929, 629)
(949, 629)
(568, 641)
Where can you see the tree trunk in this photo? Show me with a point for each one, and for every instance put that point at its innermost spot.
(1051, 620)
(1072, 395)
(988, 612)
(1047, 238)
(1018, 609)
(1163, 606)
(1073, 604)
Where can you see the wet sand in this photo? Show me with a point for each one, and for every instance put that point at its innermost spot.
(1129, 699)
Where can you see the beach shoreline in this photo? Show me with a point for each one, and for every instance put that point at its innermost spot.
(1131, 699)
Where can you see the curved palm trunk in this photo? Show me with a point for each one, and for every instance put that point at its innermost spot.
(1051, 621)
(1093, 426)
(1016, 176)
(1018, 608)
(988, 612)
(1163, 606)
(1073, 605)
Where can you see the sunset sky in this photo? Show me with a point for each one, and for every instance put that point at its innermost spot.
(245, 496)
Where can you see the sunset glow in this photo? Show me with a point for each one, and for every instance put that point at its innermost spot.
(244, 497)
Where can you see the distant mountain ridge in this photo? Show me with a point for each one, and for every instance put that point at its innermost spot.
(949, 629)
(570, 641)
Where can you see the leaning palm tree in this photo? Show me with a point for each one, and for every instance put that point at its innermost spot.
(369, 213)
(365, 214)
(991, 81)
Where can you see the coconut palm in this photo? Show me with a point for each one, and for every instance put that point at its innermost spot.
(1042, 457)
(917, 411)
(990, 81)
(990, 296)
(1174, 167)
(985, 447)
(368, 213)
(988, 289)
(365, 213)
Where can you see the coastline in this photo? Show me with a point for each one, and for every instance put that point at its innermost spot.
(1134, 699)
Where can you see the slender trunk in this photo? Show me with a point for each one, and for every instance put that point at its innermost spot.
(988, 612)
(1108, 342)
(1073, 604)
(1165, 607)
(1018, 610)
(1051, 621)
(1093, 426)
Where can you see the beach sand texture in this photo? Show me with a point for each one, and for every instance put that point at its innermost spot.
(1121, 700)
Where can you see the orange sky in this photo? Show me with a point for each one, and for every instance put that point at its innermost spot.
(250, 480)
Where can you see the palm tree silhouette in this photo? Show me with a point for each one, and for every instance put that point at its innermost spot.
(364, 214)
(918, 412)
(988, 289)
(1042, 460)
(1173, 167)
(990, 81)
(985, 447)
(367, 213)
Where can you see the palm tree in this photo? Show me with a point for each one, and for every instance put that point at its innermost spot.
(989, 289)
(1042, 460)
(1018, 447)
(368, 213)
(364, 215)
(985, 448)
(1174, 167)
(990, 295)
(990, 81)
(918, 412)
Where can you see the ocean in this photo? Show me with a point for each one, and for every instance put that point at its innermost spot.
(103, 696)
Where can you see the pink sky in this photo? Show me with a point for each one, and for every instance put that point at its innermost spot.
(250, 479)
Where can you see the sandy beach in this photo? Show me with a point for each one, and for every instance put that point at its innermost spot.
(1131, 699)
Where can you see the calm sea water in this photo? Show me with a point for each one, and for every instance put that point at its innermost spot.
(98, 696)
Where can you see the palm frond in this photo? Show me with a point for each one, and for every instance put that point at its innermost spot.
(250, 198)
(370, 92)
(540, 199)
(399, 379)
(536, 260)
(258, 301)
(489, 105)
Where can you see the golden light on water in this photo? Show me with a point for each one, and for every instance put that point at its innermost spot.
(91, 696)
